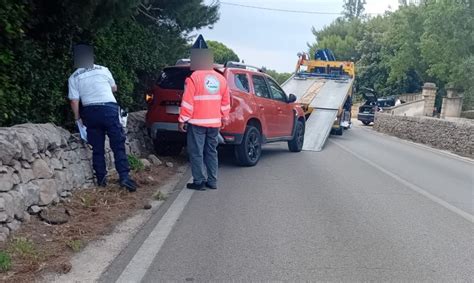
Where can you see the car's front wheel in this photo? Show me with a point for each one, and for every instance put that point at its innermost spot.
(366, 123)
(296, 144)
(249, 151)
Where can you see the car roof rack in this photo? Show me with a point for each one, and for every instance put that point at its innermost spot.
(184, 61)
(238, 65)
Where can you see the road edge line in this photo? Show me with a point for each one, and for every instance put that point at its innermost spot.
(143, 258)
(469, 217)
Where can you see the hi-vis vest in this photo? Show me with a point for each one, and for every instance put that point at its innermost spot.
(206, 99)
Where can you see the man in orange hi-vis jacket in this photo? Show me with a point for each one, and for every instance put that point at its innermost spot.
(204, 108)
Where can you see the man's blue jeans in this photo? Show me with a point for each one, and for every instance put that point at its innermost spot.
(102, 120)
(202, 150)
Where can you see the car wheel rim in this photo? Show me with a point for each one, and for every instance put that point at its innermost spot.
(300, 136)
(253, 146)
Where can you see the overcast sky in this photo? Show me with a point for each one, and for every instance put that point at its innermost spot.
(273, 38)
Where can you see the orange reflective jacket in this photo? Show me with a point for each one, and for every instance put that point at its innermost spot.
(206, 99)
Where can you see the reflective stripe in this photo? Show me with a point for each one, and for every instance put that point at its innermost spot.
(183, 119)
(205, 121)
(226, 107)
(207, 97)
(186, 105)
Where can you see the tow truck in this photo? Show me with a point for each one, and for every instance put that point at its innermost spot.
(324, 88)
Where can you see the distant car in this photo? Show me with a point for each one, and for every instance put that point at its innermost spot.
(261, 112)
(373, 104)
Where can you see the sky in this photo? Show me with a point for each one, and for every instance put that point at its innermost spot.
(272, 38)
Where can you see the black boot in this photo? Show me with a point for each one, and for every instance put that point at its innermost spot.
(211, 187)
(102, 182)
(197, 187)
(129, 184)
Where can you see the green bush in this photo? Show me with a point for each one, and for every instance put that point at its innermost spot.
(37, 37)
(135, 163)
(5, 261)
(74, 245)
(24, 248)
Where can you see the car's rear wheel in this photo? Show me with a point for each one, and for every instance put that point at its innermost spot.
(166, 148)
(296, 144)
(249, 151)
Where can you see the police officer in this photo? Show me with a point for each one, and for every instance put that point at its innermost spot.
(205, 105)
(93, 85)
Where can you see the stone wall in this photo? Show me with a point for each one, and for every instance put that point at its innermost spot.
(42, 163)
(413, 108)
(409, 97)
(452, 104)
(454, 136)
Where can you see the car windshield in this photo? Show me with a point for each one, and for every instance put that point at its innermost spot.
(173, 78)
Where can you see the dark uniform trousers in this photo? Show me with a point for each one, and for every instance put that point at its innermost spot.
(102, 120)
(202, 150)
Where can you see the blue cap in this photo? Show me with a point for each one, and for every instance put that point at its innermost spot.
(200, 43)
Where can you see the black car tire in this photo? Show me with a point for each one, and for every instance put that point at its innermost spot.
(338, 132)
(365, 123)
(249, 151)
(296, 144)
(164, 148)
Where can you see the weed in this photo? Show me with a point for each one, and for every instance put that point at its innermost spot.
(24, 248)
(5, 261)
(159, 196)
(74, 245)
(86, 201)
(135, 163)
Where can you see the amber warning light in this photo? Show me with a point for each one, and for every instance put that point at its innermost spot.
(149, 98)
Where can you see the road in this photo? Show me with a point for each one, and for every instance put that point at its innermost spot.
(368, 207)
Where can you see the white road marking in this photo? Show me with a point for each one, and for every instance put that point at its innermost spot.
(469, 217)
(144, 257)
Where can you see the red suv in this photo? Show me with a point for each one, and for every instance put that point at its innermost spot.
(260, 113)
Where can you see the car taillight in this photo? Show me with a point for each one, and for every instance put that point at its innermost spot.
(149, 98)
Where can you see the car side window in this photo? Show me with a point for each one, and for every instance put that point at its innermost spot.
(260, 86)
(242, 82)
(277, 92)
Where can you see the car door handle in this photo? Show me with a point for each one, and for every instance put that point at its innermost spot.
(261, 106)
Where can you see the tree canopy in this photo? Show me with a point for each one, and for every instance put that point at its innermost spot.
(398, 51)
(133, 38)
(279, 77)
(222, 53)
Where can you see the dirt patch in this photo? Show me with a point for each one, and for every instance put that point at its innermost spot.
(39, 248)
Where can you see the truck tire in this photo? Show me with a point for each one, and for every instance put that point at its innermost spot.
(365, 123)
(163, 148)
(249, 151)
(338, 132)
(296, 144)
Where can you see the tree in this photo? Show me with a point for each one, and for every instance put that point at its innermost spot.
(222, 53)
(354, 8)
(279, 77)
(399, 51)
(134, 38)
(447, 41)
(341, 36)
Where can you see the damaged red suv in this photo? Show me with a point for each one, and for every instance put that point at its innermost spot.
(260, 113)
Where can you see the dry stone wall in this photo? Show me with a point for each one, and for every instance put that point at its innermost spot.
(454, 136)
(42, 163)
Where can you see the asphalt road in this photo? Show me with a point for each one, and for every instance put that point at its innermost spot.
(368, 207)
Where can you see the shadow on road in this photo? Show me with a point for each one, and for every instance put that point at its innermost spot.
(227, 158)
